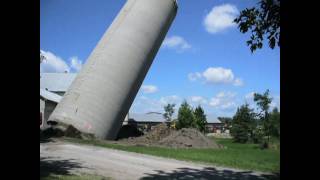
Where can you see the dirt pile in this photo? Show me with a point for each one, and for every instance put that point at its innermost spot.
(158, 132)
(162, 135)
(188, 138)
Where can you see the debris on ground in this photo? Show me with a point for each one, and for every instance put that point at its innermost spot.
(157, 133)
(129, 130)
(188, 138)
(60, 130)
(163, 136)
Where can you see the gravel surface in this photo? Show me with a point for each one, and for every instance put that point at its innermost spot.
(63, 158)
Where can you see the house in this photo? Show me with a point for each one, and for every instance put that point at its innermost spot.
(214, 126)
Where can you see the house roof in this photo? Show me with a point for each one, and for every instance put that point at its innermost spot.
(56, 82)
(50, 96)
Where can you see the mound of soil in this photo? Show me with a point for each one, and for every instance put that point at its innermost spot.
(158, 132)
(163, 136)
(188, 138)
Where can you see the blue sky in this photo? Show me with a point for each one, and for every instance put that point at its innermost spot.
(204, 58)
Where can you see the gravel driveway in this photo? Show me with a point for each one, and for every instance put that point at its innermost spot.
(63, 158)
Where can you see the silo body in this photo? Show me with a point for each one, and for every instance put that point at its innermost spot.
(100, 96)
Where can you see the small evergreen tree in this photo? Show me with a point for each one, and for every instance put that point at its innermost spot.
(241, 129)
(185, 116)
(200, 119)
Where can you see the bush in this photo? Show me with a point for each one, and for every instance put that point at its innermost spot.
(257, 135)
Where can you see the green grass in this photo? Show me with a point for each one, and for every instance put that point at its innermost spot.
(75, 177)
(242, 156)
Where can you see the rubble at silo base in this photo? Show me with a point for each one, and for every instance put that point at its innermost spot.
(160, 136)
(64, 130)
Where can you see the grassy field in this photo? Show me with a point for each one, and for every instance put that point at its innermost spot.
(242, 156)
(75, 177)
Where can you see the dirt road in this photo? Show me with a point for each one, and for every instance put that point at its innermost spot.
(64, 158)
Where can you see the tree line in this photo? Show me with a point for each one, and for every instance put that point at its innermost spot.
(245, 126)
(257, 127)
(187, 116)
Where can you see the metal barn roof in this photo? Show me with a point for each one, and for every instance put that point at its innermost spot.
(50, 96)
(56, 82)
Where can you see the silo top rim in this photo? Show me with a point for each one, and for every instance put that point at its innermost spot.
(175, 3)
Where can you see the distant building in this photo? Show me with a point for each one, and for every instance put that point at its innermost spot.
(52, 88)
(214, 127)
(48, 102)
(146, 121)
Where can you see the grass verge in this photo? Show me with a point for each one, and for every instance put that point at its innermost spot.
(242, 156)
(75, 177)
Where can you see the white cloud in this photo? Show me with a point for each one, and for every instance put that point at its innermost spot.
(220, 18)
(216, 75)
(198, 100)
(76, 64)
(53, 63)
(194, 76)
(176, 42)
(149, 89)
(226, 94)
(215, 102)
(223, 100)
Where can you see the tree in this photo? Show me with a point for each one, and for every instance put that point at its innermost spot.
(261, 21)
(275, 122)
(185, 116)
(242, 121)
(263, 101)
(169, 110)
(200, 119)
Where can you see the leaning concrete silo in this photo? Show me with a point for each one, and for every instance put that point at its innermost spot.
(103, 91)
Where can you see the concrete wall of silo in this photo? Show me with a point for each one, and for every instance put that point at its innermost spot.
(100, 96)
